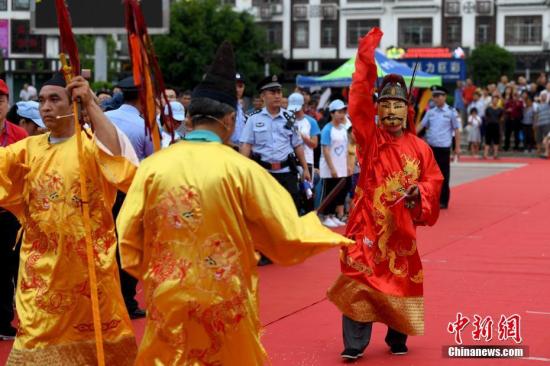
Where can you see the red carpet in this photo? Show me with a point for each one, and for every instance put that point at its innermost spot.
(489, 254)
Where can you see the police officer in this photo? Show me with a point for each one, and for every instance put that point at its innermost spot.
(441, 123)
(240, 116)
(271, 138)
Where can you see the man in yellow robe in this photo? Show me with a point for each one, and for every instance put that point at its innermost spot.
(189, 227)
(39, 183)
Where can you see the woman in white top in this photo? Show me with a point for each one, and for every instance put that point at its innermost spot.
(474, 131)
(333, 164)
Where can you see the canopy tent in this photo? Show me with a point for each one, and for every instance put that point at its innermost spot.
(341, 77)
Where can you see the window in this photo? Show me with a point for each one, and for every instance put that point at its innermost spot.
(415, 32)
(21, 5)
(3, 5)
(453, 31)
(21, 39)
(301, 34)
(274, 33)
(358, 28)
(263, 2)
(520, 31)
(329, 33)
(485, 30)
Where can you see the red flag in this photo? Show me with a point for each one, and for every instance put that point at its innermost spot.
(67, 41)
(146, 72)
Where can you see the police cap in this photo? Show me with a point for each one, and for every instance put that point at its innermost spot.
(270, 82)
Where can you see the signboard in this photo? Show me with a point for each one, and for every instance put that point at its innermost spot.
(4, 37)
(450, 69)
(98, 16)
(21, 39)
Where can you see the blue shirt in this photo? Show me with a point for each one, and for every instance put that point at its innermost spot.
(315, 130)
(269, 137)
(129, 121)
(459, 102)
(239, 125)
(440, 124)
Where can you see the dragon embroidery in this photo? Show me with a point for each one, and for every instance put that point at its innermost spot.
(385, 196)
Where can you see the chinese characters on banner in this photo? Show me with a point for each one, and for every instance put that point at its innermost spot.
(450, 69)
(508, 328)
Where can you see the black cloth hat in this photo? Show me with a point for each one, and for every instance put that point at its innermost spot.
(127, 84)
(57, 79)
(270, 82)
(239, 77)
(438, 90)
(219, 81)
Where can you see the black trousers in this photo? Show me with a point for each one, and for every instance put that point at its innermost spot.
(511, 127)
(307, 205)
(9, 265)
(127, 282)
(443, 158)
(328, 185)
(357, 334)
(528, 137)
(290, 182)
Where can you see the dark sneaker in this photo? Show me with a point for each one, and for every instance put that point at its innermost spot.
(351, 354)
(137, 313)
(7, 333)
(264, 261)
(399, 349)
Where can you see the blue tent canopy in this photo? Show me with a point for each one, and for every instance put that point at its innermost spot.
(341, 77)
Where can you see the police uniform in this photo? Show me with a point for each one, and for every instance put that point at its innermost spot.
(273, 140)
(440, 124)
(240, 117)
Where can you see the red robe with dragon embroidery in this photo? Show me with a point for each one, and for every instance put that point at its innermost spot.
(382, 278)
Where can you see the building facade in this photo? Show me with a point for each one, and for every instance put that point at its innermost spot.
(26, 57)
(314, 36)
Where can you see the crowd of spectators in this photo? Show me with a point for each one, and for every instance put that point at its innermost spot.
(512, 115)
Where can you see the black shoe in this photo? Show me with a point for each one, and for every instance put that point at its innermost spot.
(443, 206)
(399, 349)
(264, 261)
(137, 313)
(7, 333)
(351, 354)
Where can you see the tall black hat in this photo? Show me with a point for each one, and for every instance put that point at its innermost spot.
(57, 79)
(219, 81)
(127, 85)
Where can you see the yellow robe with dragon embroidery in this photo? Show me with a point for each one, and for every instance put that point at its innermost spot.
(39, 183)
(189, 226)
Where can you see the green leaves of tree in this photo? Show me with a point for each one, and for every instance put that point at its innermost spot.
(489, 62)
(197, 28)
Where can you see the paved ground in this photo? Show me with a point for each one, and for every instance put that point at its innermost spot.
(464, 172)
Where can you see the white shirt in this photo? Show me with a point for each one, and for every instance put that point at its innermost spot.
(337, 139)
(305, 129)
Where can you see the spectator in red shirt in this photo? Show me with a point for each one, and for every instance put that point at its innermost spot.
(513, 107)
(468, 92)
(9, 258)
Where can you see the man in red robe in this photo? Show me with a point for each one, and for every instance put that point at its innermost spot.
(398, 189)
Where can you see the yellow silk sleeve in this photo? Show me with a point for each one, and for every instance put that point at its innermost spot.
(276, 229)
(129, 225)
(116, 169)
(12, 177)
